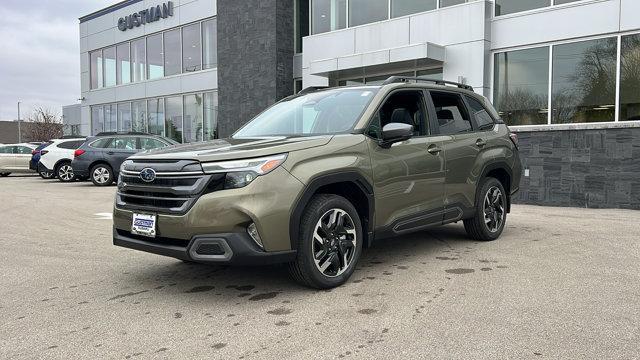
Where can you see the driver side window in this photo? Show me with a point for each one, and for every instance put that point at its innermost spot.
(406, 107)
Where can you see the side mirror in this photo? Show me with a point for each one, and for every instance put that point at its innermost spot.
(395, 132)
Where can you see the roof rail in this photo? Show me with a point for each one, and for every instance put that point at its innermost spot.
(106, 133)
(404, 79)
(311, 89)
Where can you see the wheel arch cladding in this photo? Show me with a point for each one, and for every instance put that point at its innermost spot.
(500, 171)
(59, 163)
(350, 185)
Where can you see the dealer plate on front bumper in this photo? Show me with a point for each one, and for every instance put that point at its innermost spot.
(143, 224)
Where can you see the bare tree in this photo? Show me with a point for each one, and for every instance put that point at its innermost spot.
(43, 125)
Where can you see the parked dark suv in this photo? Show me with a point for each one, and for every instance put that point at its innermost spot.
(318, 177)
(100, 157)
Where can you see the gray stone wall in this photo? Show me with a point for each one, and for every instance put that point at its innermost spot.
(581, 168)
(255, 58)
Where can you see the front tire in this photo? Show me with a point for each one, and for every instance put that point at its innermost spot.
(64, 172)
(329, 243)
(490, 213)
(101, 175)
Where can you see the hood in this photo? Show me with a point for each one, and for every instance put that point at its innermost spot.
(229, 149)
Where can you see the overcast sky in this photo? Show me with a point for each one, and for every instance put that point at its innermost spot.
(40, 53)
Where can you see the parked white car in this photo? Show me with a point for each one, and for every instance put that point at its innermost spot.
(57, 157)
(14, 158)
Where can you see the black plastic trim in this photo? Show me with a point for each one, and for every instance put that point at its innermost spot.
(243, 251)
(502, 165)
(328, 179)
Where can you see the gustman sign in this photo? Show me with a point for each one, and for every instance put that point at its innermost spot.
(151, 14)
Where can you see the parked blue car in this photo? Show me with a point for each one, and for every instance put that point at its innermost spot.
(35, 161)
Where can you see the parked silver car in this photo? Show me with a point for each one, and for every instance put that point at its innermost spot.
(14, 158)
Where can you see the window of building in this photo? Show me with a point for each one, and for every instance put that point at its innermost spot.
(192, 117)
(584, 81)
(210, 115)
(155, 61)
(367, 11)
(560, 2)
(504, 7)
(430, 74)
(445, 3)
(123, 64)
(109, 55)
(301, 22)
(407, 7)
(138, 60)
(451, 113)
(521, 86)
(209, 44)
(110, 118)
(173, 117)
(172, 56)
(378, 80)
(191, 52)
(124, 116)
(95, 67)
(139, 116)
(97, 119)
(480, 114)
(155, 109)
(630, 78)
(328, 15)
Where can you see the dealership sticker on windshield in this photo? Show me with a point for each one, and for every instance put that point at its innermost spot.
(144, 225)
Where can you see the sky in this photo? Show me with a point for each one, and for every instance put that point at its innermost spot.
(40, 53)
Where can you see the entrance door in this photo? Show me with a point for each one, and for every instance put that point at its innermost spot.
(409, 175)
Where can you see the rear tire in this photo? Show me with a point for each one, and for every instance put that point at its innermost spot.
(329, 243)
(101, 175)
(5, 174)
(64, 172)
(490, 212)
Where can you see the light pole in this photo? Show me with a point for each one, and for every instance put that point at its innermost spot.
(19, 130)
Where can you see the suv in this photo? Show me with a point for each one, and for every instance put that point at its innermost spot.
(56, 159)
(321, 175)
(100, 157)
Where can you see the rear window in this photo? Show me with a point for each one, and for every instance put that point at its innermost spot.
(101, 143)
(480, 113)
(72, 145)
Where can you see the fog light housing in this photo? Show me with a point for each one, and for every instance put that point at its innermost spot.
(252, 230)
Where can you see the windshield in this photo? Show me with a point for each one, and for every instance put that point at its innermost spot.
(324, 112)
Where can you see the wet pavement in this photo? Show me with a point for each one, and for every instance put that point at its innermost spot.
(560, 282)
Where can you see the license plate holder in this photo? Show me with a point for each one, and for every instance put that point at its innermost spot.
(143, 224)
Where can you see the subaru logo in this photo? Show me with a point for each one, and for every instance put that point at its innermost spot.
(148, 174)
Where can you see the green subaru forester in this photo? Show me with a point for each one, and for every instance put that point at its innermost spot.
(318, 177)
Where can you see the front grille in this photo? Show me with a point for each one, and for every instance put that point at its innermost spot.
(177, 186)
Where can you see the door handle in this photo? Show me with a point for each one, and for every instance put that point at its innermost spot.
(433, 150)
(481, 143)
(110, 153)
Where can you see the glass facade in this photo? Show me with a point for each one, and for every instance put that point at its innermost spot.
(406, 7)
(328, 15)
(184, 118)
(584, 81)
(301, 12)
(504, 7)
(434, 74)
(191, 51)
(521, 86)
(630, 78)
(367, 11)
(185, 49)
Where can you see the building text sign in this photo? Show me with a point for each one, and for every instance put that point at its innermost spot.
(151, 14)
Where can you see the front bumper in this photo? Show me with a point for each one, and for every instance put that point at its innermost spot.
(230, 248)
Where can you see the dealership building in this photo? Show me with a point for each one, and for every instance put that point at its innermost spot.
(564, 74)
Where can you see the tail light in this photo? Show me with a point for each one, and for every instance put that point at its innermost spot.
(42, 152)
(514, 139)
(78, 153)
(33, 152)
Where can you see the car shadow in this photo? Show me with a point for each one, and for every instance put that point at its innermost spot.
(229, 283)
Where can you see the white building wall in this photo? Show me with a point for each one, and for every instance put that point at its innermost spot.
(103, 32)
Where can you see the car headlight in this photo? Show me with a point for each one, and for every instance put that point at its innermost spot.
(240, 173)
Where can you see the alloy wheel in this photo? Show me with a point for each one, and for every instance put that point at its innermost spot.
(334, 242)
(101, 175)
(65, 172)
(493, 209)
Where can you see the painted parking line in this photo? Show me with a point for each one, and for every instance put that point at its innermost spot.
(103, 216)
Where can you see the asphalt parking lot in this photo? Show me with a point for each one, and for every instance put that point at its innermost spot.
(560, 283)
